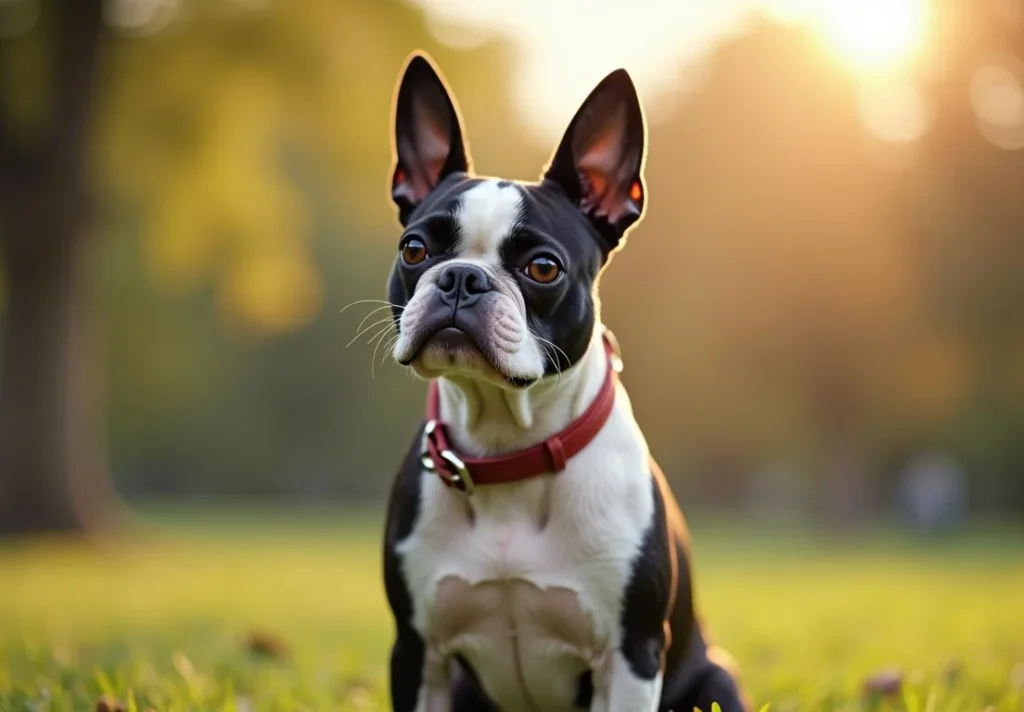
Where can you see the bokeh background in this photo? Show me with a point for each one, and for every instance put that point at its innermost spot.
(822, 314)
(822, 319)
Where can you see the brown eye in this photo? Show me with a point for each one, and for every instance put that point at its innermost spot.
(543, 269)
(414, 252)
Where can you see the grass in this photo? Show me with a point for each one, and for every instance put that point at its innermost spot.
(168, 621)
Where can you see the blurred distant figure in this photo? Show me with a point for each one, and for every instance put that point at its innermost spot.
(777, 493)
(933, 491)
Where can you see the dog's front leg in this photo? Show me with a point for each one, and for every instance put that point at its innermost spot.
(406, 673)
(623, 686)
(436, 694)
(419, 676)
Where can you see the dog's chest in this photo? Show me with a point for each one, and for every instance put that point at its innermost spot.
(525, 581)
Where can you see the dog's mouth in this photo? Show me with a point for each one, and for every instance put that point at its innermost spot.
(444, 337)
(454, 346)
(452, 339)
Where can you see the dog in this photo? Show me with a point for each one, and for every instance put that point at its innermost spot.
(534, 556)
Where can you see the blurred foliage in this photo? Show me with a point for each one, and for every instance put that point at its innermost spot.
(228, 135)
(799, 292)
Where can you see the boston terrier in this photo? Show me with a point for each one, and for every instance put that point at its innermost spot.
(534, 556)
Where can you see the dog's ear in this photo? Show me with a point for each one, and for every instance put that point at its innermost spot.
(428, 135)
(599, 163)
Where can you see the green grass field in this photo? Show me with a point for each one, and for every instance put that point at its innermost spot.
(166, 620)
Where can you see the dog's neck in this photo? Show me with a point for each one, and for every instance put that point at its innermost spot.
(485, 419)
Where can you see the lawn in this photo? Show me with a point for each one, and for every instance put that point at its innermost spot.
(269, 611)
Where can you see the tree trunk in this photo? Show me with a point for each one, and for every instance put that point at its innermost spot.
(52, 473)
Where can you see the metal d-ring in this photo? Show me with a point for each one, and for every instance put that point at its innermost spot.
(461, 478)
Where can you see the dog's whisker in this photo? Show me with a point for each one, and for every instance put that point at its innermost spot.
(385, 323)
(388, 344)
(385, 320)
(387, 348)
(371, 313)
(556, 350)
(371, 301)
(373, 359)
(378, 336)
(553, 349)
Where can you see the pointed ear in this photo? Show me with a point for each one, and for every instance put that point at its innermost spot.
(599, 163)
(428, 145)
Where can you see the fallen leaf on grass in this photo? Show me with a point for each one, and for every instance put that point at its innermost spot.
(884, 683)
(356, 684)
(108, 703)
(952, 671)
(265, 644)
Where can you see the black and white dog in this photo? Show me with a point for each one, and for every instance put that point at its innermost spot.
(534, 556)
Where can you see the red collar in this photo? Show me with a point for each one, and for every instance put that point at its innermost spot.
(466, 473)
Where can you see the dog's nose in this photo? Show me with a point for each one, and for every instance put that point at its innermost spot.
(462, 284)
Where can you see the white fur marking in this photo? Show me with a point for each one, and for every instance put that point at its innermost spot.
(487, 214)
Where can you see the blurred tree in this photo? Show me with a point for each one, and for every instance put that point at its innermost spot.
(229, 137)
(51, 463)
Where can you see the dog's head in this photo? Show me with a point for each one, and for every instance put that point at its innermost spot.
(495, 279)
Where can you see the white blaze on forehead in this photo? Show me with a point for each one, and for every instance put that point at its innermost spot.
(487, 213)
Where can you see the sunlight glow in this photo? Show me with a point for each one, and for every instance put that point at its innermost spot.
(873, 36)
(566, 46)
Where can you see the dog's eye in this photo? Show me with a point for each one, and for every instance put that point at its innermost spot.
(414, 251)
(543, 269)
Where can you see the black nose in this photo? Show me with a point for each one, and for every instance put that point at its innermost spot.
(462, 284)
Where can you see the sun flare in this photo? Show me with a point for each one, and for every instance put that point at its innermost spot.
(873, 36)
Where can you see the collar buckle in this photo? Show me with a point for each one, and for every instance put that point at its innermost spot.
(442, 461)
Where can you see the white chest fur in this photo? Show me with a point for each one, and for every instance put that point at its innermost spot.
(526, 580)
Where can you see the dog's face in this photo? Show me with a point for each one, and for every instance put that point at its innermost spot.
(496, 279)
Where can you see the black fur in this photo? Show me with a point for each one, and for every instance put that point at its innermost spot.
(611, 101)
(649, 596)
(423, 101)
(407, 654)
(714, 684)
(584, 690)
